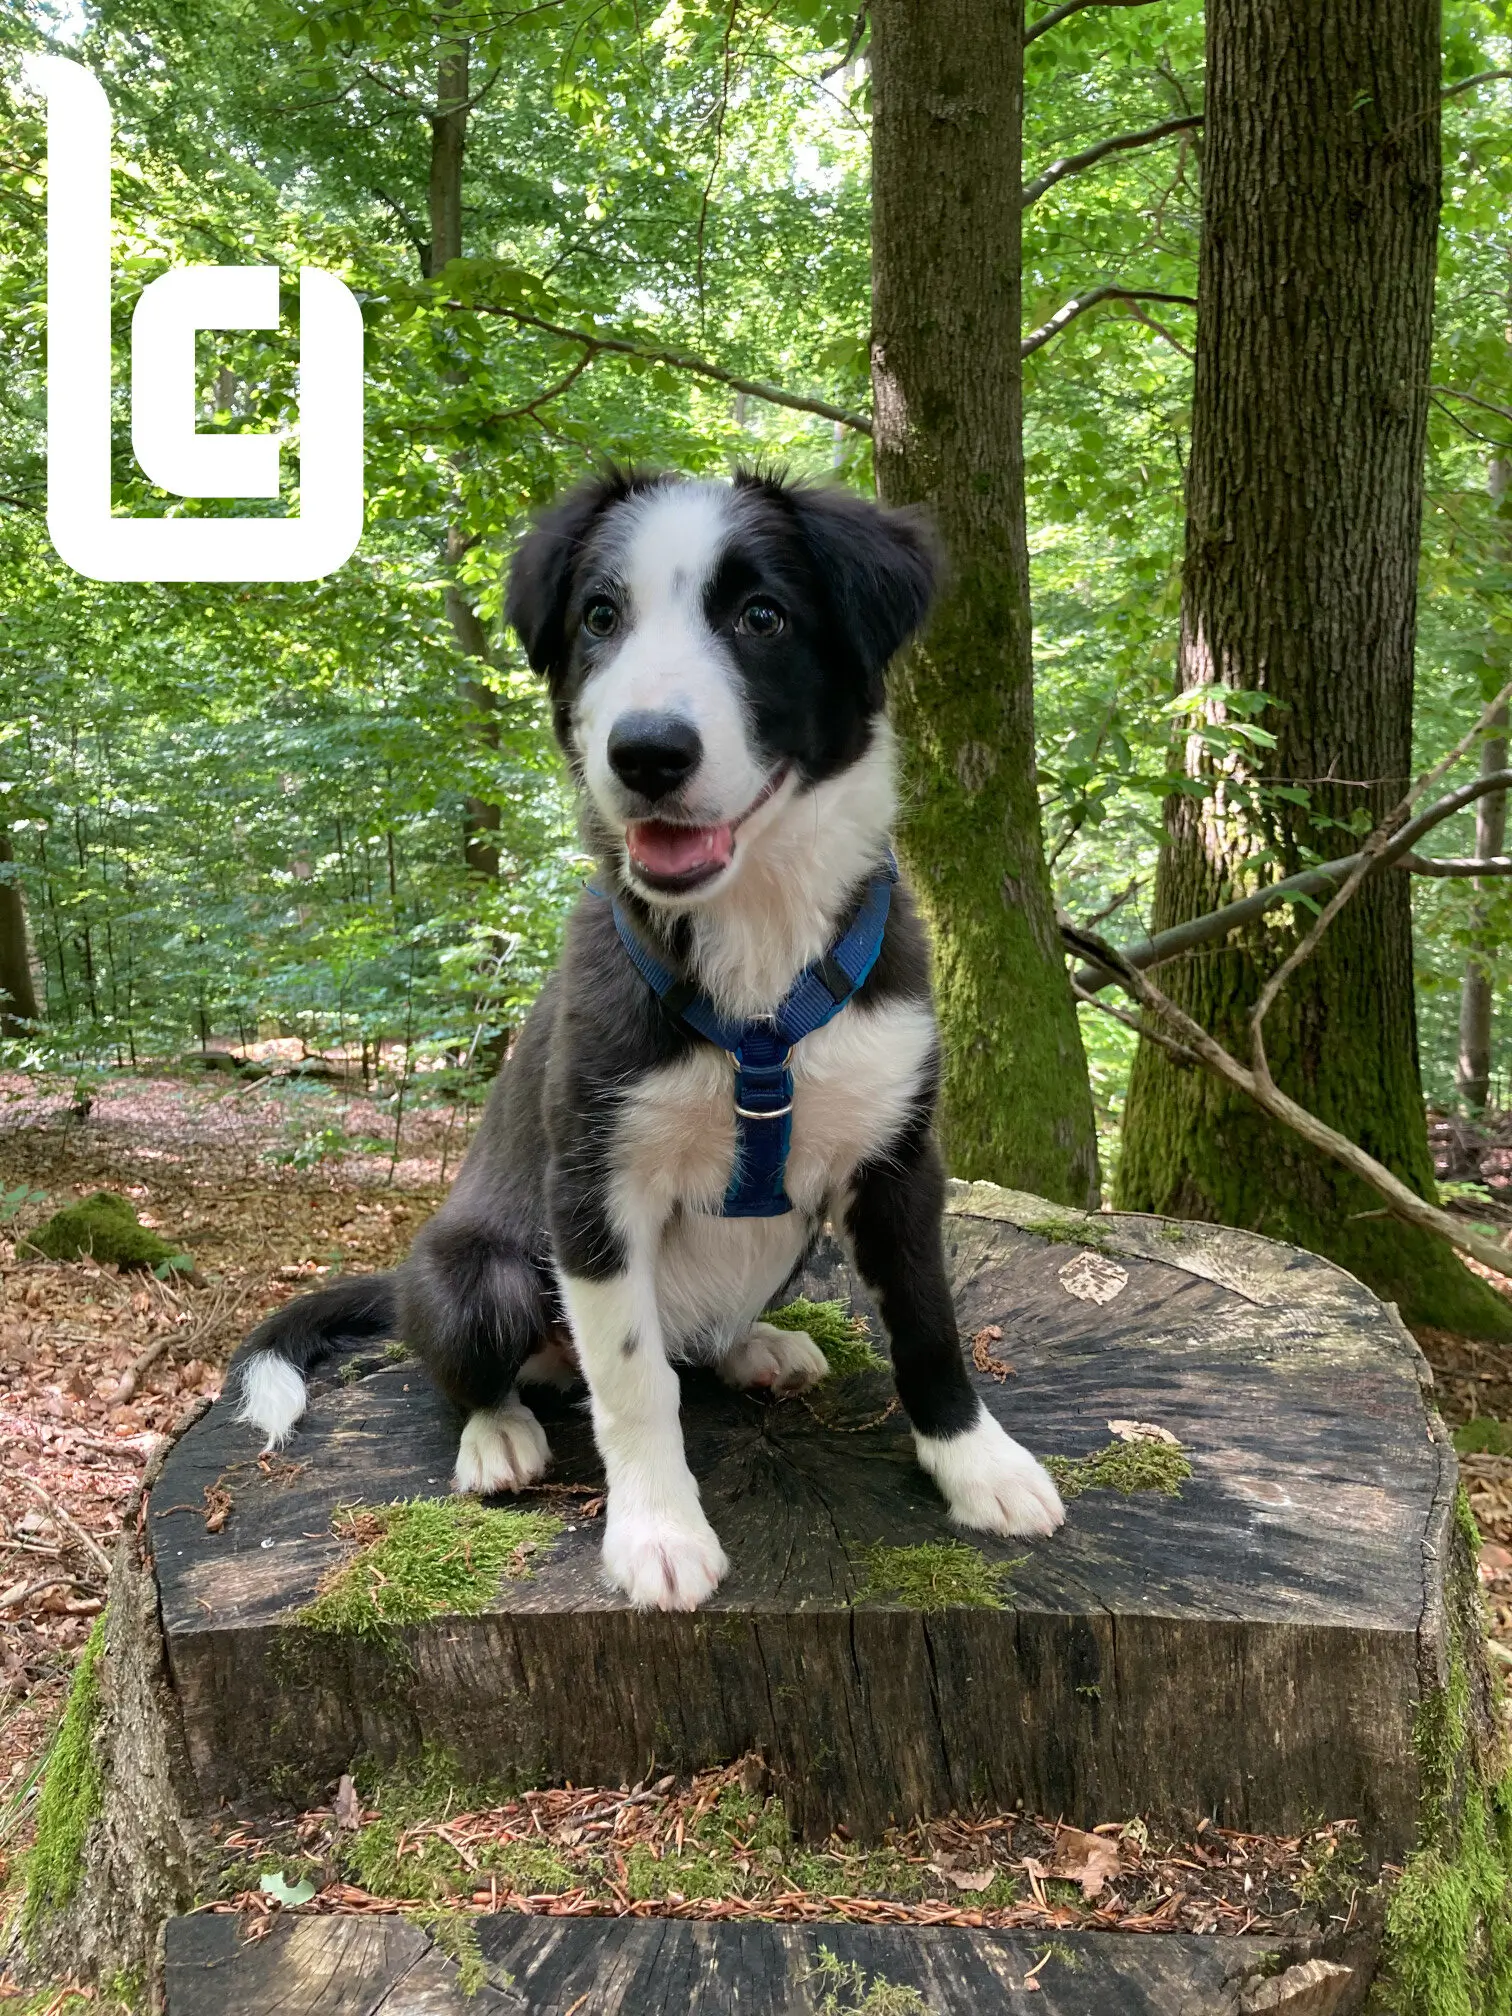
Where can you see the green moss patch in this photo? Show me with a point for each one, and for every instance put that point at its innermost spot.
(1123, 1466)
(457, 1936)
(841, 1335)
(843, 1990)
(1483, 1437)
(106, 1227)
(1448, 1945)
(423, 1557)
(945, 1575)
(71, 1793)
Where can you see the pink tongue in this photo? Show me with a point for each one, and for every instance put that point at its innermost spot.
(664, 849)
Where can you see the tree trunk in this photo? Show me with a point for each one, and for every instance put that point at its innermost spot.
(480, 819)
(1320, 207)
(1490, 835)
(948, 395)
(18, 994)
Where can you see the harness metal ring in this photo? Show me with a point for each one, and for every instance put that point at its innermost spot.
(777, 1112)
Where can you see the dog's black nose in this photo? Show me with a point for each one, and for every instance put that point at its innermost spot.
(653, 753)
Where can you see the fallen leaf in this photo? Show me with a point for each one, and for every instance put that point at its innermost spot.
(966, 1879)
(1091, 1277)
(1144, 1431)
(280, 1892)
(1088, 1859)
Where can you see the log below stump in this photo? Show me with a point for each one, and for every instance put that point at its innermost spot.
(1254, 1649)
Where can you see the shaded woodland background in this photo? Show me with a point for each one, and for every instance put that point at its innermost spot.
(327, 821)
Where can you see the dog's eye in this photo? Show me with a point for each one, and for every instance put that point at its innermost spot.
(760, 619)
(601, 618)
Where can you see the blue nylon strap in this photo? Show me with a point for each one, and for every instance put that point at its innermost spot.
(762, 1049)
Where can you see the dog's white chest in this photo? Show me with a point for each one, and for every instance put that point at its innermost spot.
(855, 1083)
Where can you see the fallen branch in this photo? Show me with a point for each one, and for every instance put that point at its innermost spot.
(1121, 143)
(224, 1305)
(1189, 1035)
(87, 1541)
(1079, 304)
(1215, 924)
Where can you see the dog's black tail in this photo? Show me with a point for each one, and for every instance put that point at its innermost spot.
(268, 1371)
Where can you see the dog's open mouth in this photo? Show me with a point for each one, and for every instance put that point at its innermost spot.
(673, 857)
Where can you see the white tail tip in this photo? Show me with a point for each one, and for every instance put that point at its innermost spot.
(273, 1396)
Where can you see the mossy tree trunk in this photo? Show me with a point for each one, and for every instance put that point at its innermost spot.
(1305, 489)
(948, 395)
(18, 994)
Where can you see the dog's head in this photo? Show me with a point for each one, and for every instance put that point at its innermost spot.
(713, 651)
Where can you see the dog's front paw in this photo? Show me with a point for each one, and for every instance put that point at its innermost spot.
(503, 1449)
(662, 1561)
(781, 1361)
(990, 1482)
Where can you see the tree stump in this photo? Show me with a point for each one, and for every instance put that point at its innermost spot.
(1293, 1635)
(1250, 1649)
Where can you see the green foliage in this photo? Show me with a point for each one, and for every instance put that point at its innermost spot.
(1123, 1466)
(423, 1557)
(17, 1199)
(71, 1794)
(942, 1575)
(843, 1337)
(106, 1227)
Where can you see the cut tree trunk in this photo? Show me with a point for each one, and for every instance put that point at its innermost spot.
(1295, 1636)
(948, 93)
(1320, 206)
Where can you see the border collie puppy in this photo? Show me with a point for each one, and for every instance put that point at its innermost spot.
(651, 1167)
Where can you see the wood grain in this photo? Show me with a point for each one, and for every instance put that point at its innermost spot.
(1249, 1650)
(671, 1967)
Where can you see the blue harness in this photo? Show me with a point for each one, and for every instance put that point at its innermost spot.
(763, 1049)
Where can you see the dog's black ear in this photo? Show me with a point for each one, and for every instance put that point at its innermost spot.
(881, 568)
(540, 575)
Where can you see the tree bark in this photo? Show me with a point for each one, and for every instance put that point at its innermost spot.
(448, 158)
(18, 994)
(1490, 835)
(1320, 207)
(948, 398)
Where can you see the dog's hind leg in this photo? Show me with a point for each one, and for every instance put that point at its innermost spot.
(473, 1308)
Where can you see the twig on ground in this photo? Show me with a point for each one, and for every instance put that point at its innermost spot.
(87, 1541)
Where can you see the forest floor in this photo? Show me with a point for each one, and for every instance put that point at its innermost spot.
(269, 1185)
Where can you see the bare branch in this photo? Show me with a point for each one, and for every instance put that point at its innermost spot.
(1121, 143)
(1403, 1202)
(1469, 83)
(1199, 931)
(858, 29)
(1178, 1052)
(1037, 338)
(1161, 330)
(1494, 864)
(1471, 399)
(1053, 19)
(677, 360)
(541, 399)
(1375, 846)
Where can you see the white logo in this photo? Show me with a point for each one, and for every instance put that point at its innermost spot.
(172, 455)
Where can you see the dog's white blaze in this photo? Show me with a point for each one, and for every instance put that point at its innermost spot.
(658, 1546)
(669, 660)
(272, 1395)
(990, 1482)
(796, 860)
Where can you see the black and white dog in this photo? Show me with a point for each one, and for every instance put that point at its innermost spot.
(715, 655)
